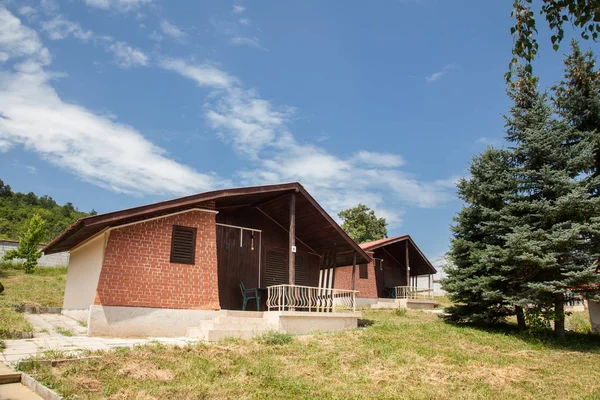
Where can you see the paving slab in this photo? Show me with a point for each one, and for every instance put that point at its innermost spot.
(16, 391)
(48, 338)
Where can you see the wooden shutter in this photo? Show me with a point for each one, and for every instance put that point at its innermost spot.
(301, 269)
(363, 272)
(183, 245)
(276, 268)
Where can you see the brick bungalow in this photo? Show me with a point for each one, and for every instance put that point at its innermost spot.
(390, 278)
(163, 268)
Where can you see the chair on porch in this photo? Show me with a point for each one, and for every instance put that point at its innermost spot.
(250, 294)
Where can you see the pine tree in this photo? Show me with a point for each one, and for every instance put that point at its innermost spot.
(550, 239)
(577, 100)
(477, 280)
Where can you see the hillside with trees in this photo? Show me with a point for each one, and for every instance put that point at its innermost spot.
(17, 208)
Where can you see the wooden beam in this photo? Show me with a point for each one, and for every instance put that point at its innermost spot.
(292, 240)
(265, 202)
(407, 264)
(354, 272)
(314, 252)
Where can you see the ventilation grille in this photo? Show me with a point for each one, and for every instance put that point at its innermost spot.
(183, 245)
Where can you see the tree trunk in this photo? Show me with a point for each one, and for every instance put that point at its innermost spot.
(520, 318)
(559, 319)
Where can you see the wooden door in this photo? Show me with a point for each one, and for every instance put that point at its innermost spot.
(238, 258)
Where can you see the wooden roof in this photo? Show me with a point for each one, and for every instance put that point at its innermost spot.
(313, 225)
(391, 244)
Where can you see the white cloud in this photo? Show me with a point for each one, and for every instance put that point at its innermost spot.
(104, 4)
(246, 41)
(373, 158)
(259, 130)
(119, 5)
(126, 56)
(436, 76)
(96, 148)
(204, 74)
(59, 28)
(17, 40)
(27, 11)
(237, 31)
(5, 145)
(238, 9)
(171, 30)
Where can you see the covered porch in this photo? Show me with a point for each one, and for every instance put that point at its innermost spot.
(401, 270)
(284, 248)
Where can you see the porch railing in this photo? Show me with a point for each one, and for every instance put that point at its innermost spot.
(411, 292)
(307, 298)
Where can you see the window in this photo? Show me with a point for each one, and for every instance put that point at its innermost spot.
(183, 245)
(363, 272)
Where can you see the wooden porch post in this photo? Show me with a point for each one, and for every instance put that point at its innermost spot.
(407, 264)
(354, 272)
(292, 240)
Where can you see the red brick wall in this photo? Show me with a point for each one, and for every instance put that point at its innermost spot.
(367, 288)
(136, 271)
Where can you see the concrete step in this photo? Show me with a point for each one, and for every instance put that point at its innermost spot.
(421, 304)
(240, 320)
(385, 305)
(232, 326)
(243, 314)
(216, 335)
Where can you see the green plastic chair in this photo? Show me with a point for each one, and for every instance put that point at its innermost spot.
(250, 294)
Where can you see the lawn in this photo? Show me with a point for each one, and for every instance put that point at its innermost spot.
(412, 355)
(45, 287)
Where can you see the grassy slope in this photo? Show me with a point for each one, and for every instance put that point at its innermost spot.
(415, 356)
(43, 288)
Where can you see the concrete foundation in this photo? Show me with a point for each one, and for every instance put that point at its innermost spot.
(299, 323)
(134, 322)
(594, 310)
(82, 315)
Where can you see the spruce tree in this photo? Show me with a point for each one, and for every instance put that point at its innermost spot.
(577, 101)
(476, 280)
(550, 238)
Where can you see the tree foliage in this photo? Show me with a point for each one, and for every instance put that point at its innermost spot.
(362, 225)
(584, 15)
(29, 245)
(16, 209)
(528, 233)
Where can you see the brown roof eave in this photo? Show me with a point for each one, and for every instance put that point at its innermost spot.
(355, 245)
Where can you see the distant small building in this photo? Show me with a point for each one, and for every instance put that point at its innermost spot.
(48, 260)
(399, 275)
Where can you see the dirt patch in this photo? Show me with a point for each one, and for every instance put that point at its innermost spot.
(144, 371)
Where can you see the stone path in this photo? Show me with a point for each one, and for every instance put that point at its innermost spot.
(58, 333)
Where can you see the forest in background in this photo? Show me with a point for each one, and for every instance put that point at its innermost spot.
(16, 208)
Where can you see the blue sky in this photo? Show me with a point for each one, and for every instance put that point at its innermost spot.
(111, 104)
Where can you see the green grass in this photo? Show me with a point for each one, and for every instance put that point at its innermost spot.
(414, 356)
(44, 288)
(64, 331)
(579, 321)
